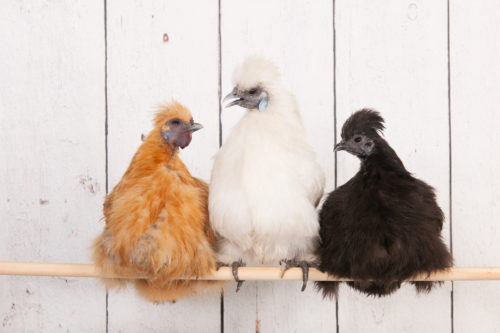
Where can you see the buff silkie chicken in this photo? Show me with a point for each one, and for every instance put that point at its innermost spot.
(383, 226)
(265, 182)
(156, 217)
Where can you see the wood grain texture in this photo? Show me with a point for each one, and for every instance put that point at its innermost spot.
(52, 163)
(475, 100)
(298, 36)
(245, 273)
(393, 57)
(146, 69)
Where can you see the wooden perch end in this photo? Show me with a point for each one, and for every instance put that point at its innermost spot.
(244, 273)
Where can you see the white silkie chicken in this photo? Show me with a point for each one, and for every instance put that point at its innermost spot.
(265, 182)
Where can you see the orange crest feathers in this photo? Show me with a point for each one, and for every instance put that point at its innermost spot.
(170, 111)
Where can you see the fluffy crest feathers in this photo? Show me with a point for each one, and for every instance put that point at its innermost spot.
(255, 71)
(170, 111)
(365, 121)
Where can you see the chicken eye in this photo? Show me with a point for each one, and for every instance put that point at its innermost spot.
(252, 91)
(357, 139)
(176, 122)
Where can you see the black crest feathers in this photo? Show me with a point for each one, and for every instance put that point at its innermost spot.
(365, 121)
(383, 226)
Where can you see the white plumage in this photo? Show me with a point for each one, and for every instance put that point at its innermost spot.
(265, 182)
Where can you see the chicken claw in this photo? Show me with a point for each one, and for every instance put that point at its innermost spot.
(235, 265)
(304, 265)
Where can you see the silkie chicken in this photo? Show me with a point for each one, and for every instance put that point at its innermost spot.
(265, 182)
(383, 226)
(157, 217)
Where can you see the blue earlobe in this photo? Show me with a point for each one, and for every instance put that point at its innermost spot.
(263, 104)
(166, 134)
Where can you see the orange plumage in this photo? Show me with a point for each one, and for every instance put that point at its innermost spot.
(157, 217)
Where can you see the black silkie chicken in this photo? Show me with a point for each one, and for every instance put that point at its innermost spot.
(383, 226)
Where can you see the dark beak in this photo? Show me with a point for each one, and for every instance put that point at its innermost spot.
(232, 95)
(339, 146)
(194, 127)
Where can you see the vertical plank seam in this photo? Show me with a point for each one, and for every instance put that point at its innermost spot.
(222, 311)
(257, 320)
(220, 73)
(337, 327)
(449, 126)
(450, 161)
(334, 93)
(106, 91)
(106, 125)
(219, 93)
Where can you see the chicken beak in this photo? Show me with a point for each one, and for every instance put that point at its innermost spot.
(339, 146)
(195, 127)
(230, 96)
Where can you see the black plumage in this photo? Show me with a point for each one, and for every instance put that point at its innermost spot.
(383, 226)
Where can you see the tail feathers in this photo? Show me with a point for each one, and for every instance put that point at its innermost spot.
(376, 288)
(174, 290)
(425, 287)
(329, 289)
(379, 289)
(157, 288)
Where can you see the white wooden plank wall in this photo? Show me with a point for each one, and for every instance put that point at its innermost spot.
(52, 176)
(59, 94)
(475, 101)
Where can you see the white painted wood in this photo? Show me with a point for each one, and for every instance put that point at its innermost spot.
(393, 57)
(143, 72)
(130, 313)
(404, 311)
(241, 309)
(298, 36)
(475, 100)
(52, 165)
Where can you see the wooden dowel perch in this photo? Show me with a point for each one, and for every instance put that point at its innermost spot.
(244, 273)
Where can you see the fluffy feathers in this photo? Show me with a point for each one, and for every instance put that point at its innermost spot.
(265, 182)
(382, 225)
(157, 216)
(365, 121)
(255, 71)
